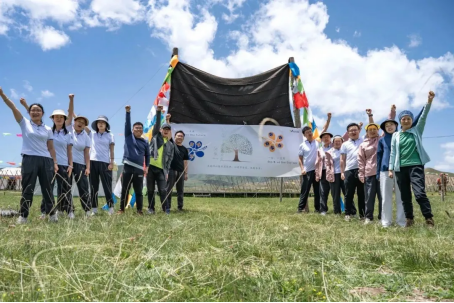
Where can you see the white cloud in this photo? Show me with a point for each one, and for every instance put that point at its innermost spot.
(47, 94)
(447, 164)
(415, 40)
(48, 37)
(61, 11)
(27, 86)
(357, 34)
(113, 14)
(338, 29)
(232, 6)
(14, 94)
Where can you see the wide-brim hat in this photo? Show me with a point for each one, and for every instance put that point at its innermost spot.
(326, 133)
(58, 112)
(101, 118)
(382, 126)
(83, 118)
(372, 124)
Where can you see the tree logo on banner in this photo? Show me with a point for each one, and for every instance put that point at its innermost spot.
(196, 150)
(274, 142)
(238, 144)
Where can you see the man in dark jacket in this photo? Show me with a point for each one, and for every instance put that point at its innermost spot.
(161, 153)
(136, 152)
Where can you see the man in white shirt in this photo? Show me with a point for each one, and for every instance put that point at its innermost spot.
(307, 157)
(349, 171)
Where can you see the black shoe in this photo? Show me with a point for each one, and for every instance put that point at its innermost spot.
(181, 210)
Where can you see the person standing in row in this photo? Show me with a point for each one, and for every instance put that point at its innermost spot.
(38, 159)
(161, 155)
(307, 157)
(136, 151)
(320, 171)
(178, 169)
(101, 162)
(349, 171)
(407, 160)
(63, 143)
(81, 160)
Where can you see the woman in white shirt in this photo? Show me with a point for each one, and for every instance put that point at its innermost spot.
(37, 155)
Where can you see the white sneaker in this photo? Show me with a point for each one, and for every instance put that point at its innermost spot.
(21, 220)
(347, 218)
(88, 213)
(323, 213)
(53, 218)
(43, 216)
(111, 211)
(94, 211)
(367, 221)
(71, 215)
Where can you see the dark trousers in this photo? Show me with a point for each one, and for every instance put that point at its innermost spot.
(132, 176)
(308, 180)
(64, 199)
(178, 178)
(324, 192)
(156, 175)
(413, 177)
(372, 190)
(336, 188)
(352, 184)
(100, 170)
(82, 185)
(33, 168)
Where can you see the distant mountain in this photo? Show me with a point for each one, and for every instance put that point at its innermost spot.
(433, 171)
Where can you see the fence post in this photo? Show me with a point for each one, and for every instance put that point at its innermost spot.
(281, 190)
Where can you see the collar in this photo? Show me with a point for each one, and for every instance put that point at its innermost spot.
(58, 131)
(34, 124)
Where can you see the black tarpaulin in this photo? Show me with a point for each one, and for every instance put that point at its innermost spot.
(199, 97)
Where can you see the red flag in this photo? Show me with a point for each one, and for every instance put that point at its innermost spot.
(300, 100)
(11, 163)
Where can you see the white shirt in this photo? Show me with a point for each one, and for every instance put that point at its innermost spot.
(61, 143)
(81, 141)
(350, 148)
(100, 146)
(34, 138)
(308, 150)
(336, 160)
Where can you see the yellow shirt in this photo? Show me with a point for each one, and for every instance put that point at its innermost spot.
(158, 162)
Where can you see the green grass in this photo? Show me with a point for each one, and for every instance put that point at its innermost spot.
(236, 249)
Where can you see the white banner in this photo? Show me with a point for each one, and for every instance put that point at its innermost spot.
(238, 150)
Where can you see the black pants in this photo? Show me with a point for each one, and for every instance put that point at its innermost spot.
(413, 177)
(82, 185)
(33, 168)
(336, 187)
(352, 184)
(324, 192)
(178, 178)
(308, 180)
(132, 176)
(372, 190)
(100, 170)
(64, 199)
(156, 175)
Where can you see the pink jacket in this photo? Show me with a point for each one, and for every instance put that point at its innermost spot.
(329, 165)
(367, 154)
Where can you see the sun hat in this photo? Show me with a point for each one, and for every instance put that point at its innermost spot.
(101, 118)
(372, 124)
(83, 118)
(58, 112)
(382, 126)
(326, 133)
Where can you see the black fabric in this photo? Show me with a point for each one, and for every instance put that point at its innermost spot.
(64, 198)
(372, 190)
(175, 177)
(179, 155)
(336, 188)
(353, 183)
(156, 175)
(33, 168)
(324, 192)
(199, 97)
(132, 176)
(82, 185)
(308, 180)
(412, 177)
(98, 170)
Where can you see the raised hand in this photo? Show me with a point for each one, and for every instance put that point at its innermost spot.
(360, 124)
(23, 102)
(431, 96)
(160, 108)
(329, 115)
(368, 111)
(71, 96)
(168, 116)
(393, 107)
(128, 108)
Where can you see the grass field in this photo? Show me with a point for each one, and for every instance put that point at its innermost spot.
(237, 249)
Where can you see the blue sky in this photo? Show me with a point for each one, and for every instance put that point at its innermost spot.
(104, 55)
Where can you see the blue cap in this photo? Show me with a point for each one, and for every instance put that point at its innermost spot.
(406, 113)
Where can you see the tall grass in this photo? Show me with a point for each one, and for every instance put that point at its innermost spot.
(243, 249)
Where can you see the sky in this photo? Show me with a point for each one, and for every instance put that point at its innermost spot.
(352, 55)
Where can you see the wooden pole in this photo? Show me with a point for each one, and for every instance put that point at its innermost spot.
(281, 190)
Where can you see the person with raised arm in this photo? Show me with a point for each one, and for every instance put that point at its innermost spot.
(39, 160)
(161, 155)
(407, 160)
(101, 162)
(136, 151)
(320, 168)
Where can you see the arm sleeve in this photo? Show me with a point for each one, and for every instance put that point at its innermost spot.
(50, 135)
(157, 125)
(301, 151)
(422, 120)
(186, 154)
(392, 155)
(379, 155)
(147, 155)
(128, 131)
(343, 150)
(87, 141)
(70, 139)
(417, 117)
(361, 162)
(112, 140)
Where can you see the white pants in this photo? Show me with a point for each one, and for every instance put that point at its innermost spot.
(387, 185)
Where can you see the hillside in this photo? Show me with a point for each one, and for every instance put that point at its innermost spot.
(433, 171)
